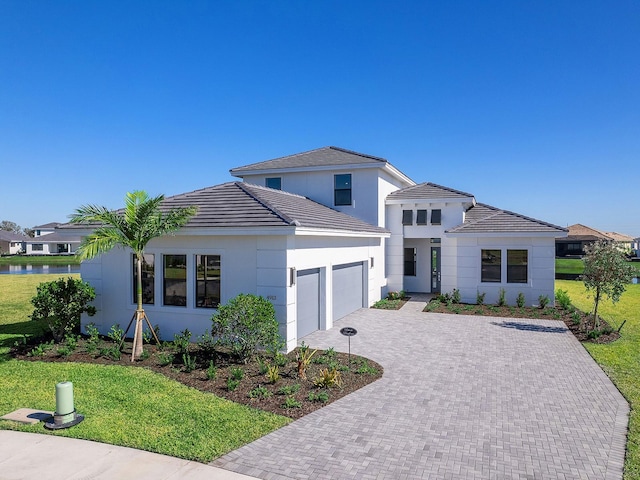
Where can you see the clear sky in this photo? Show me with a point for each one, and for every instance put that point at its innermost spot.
(532, 106)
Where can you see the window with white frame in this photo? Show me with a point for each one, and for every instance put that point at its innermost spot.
(148, 279)
(207, 281)
(515, 270)
(175, 280)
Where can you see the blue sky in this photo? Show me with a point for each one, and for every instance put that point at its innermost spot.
(532, 106)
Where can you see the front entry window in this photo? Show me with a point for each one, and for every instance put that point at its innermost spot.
(410, 262)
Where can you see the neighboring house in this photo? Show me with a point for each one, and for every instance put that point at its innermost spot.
(48, 240)
(321, 234)
(581, 235)
(12, 243)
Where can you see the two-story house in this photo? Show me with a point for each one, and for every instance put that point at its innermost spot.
(321, 234)
(48, 241)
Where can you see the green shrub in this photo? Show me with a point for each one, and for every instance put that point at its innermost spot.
(189, 362)
(480, 298)
(291, 402)
(232, 384)
(273, 373)
(289, 389)
(212, 371)
(455, 296)
(502, 297)
(562, 299)
(246, 324)
(543, 301)
(61, 303)
(322, 396)
(520, 300)
(93, 342)
(237, 373)
(182, 341)
(259, 392)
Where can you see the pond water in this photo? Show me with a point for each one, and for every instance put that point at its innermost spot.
(35, 269)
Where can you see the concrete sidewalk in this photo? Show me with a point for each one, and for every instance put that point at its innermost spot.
(30, 456)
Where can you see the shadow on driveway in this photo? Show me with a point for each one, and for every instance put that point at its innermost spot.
(530, 327)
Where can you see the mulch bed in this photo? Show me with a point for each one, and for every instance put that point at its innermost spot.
(578, 322)
(355, 374)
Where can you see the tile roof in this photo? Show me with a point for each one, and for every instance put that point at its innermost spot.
(484, 218)
(243, 205)
(320, 157)
(47, 225)
(55, 238)
(427, 191)
(8, 236)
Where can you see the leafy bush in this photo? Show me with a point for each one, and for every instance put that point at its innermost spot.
(182, 341)
(401, 295)
(502, 297)
(520, 300)
(328, 378)
(273, 373)
(232, 384)
(543, 301)
(259, 392)
(60, 304)
(93, 342)
(303, 356)
(480, 298)
(189, 362)
(322, 396)
(237, 373)
(562, 299)
(289, 389)
(212, 371)
(246, 324)
(455, 296)
(291, 402)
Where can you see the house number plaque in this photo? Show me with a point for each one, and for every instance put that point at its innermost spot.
(348, 332)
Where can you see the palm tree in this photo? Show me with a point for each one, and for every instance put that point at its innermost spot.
(140, 221)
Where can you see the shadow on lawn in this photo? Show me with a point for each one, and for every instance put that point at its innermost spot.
(530, 327)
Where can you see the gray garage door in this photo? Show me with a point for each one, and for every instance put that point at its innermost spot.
(308, 301)
(348, 289)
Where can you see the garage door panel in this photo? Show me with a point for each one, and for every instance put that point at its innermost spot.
(308, 302)
(348, 289)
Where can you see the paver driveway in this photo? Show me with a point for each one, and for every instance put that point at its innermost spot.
(462, 397)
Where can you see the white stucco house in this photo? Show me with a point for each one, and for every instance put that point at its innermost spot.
(321, 234)
(47, 240)
(12, 243)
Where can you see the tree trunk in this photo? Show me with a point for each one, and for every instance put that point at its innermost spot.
(596, 322)
(137, 336)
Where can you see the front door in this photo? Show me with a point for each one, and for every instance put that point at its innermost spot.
(435, 270)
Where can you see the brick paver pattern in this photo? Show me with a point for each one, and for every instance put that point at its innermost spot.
(461, 397)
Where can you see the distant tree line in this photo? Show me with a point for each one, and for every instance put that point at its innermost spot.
(9, 226)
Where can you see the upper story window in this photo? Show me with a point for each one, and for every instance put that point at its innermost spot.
(342, 189)
(436, 217)
(421, 218)
(407, 217)
(273, 182)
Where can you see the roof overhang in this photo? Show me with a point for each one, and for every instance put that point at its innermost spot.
(507, 234)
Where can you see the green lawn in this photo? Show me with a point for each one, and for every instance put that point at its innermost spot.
(575, 265)
(127, 406)
(39, 260)
(620, 359)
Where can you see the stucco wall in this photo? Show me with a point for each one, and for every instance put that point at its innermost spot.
(541, 269)
(249, 264)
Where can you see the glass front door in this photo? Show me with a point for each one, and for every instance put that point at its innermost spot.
(435, 270)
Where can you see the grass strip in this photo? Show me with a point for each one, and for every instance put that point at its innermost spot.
(619, 359)
(134, 407)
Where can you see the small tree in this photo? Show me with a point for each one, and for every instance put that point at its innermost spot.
(61, 303)
(246, 324)
(606, 272)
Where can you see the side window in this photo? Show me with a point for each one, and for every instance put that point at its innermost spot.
(422, 217)
(491, 270)
(407, 217)
(207, 281)
(436, 217)
(517, 266)
(148, 279)
(175, 280)
(274, 182)
(342, 189)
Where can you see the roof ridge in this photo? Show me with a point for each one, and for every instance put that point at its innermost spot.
(449, 189)
(353, 152)
(520, 215)
(266, 204)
